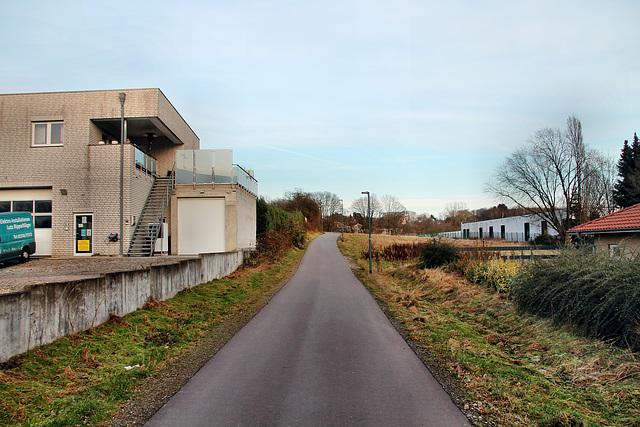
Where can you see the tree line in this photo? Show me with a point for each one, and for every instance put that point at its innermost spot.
(555, 175)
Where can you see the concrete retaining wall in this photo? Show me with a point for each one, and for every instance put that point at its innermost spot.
(43, 313)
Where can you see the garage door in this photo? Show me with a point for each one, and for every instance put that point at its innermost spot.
(38, 202)
(201, 226)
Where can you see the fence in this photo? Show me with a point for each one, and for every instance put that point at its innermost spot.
(518, 252)
(508, 236)
(44, 313)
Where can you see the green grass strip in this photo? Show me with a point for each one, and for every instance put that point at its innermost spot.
(82, 380)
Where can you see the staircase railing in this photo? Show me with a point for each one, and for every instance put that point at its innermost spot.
(148, 230)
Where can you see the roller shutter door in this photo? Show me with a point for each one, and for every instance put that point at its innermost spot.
(201, 225)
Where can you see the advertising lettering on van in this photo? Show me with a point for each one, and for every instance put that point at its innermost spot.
(22, 236)
(21, 222)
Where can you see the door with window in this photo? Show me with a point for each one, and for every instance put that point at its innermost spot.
(84, 234)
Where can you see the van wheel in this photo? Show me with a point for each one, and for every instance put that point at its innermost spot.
(24, 255)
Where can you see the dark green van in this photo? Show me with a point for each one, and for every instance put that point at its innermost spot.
(17, 239)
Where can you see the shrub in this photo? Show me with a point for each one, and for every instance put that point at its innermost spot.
(402, 251)
(596, 294)
(277, 229)
(437, 254)
(496, 274)
(544, 240)
(395, 252)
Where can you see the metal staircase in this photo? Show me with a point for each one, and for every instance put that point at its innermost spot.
(153, 215)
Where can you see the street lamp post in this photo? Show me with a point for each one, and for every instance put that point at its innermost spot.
(122, 96)
(342, 218)
(369, 213)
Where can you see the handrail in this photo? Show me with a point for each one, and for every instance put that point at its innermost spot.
(168, 189)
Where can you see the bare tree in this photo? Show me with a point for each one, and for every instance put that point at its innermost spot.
(329, 204)
(360, 206)
(299, 200)
(392, 212)
(456, 213)
(555, 176)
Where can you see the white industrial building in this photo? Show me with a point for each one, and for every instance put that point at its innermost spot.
(520, 228)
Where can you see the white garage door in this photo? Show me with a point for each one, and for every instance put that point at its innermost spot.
(38, 202)
(201, 226)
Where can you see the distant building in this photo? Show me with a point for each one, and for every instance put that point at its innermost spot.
(520, 228)
(62, 162)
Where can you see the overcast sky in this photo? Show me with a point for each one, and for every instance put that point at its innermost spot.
(418, 99)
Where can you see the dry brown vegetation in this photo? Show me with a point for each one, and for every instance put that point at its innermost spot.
(511, 369)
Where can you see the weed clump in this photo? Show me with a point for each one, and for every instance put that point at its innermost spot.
(437, 254)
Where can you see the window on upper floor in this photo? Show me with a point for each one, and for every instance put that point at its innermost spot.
(47, 133)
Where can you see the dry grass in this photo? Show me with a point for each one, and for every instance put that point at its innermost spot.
(515, 369)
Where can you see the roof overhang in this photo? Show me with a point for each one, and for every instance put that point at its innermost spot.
(138, 127)
(608, 231)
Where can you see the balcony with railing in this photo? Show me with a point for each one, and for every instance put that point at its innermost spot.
(145, 163)
(212, 167)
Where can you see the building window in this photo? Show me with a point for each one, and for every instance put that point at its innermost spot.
(41, 210)
(42, 206)
(22, 206)
(614, 251)
(47, 133)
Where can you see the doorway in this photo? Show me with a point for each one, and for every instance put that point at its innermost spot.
(84, 234)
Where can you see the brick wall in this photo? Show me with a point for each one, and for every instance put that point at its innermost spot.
(88, 172)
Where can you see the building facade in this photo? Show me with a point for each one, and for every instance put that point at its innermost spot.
(520, 228)
(64, 162)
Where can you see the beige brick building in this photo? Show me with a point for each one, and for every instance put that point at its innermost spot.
(61, 161)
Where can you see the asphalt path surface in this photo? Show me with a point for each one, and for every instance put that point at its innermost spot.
(321, 352)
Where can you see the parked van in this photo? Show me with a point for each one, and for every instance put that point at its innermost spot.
(16, 236)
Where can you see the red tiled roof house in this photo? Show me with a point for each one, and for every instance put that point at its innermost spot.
(619, 230)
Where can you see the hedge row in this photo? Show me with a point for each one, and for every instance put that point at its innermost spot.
(277, 229)
(594, 293)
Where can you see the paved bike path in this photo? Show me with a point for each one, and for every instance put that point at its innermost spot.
(320, 353)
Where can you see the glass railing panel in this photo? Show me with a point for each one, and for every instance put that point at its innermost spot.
(203, 166)
(184, 167)
(222, 170)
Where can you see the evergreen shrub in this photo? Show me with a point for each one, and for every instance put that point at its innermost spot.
(437, 254)
(597, 295)
(277, 230)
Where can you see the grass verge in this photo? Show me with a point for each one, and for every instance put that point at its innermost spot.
(83, 379)
(510, 369)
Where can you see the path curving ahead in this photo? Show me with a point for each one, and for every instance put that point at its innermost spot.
(320, 353)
